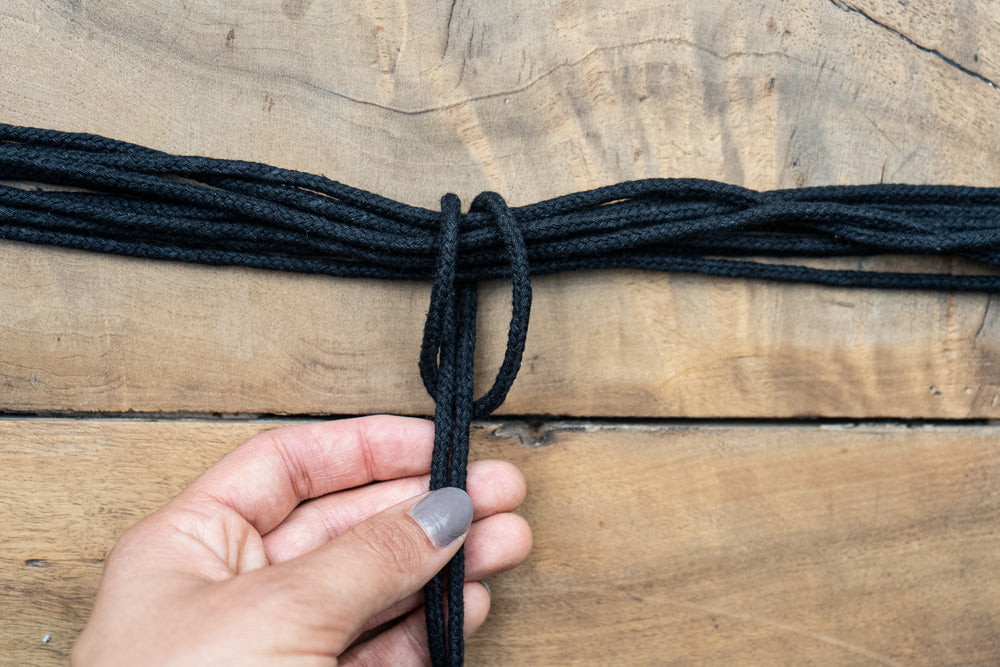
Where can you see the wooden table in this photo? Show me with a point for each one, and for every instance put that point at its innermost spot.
(739, 473)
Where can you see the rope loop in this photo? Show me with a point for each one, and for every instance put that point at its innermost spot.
(443, 291)
(510, 233)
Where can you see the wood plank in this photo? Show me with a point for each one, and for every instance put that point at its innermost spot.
(866, 544)
(94, 333)
(413, 102)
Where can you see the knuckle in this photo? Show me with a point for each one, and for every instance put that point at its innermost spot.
(397, 549)
(128, 547)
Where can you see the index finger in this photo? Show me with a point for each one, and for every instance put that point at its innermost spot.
(266, 477)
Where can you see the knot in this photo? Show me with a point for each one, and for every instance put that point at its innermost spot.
(444, 296)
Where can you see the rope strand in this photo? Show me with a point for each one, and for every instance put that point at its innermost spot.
(120, 198)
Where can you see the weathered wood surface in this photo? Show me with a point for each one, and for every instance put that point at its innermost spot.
(653, 544)
(532, 101)
(766, 545)
(97, 333)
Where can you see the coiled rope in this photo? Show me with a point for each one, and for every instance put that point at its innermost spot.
(120, 198)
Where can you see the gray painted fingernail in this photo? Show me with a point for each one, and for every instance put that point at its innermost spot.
(444, 515)
(487, 587)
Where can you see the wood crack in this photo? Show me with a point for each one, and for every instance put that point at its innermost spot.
(961, 68)
(447, 28)
(982, 322)
(306, 83)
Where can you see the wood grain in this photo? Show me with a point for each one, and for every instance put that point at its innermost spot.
(654, 544)
(95, 333)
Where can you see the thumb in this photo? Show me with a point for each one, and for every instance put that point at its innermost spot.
(379, 561)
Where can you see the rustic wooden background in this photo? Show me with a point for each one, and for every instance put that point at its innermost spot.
(688, 507)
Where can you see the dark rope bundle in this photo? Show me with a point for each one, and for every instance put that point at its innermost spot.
(125, 199)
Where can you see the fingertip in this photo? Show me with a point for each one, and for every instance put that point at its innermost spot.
(497, 544)
(496, 486)
(525, 532)
(478, 601)
(518, 485)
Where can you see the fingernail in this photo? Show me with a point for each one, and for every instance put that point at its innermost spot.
(487, 587)
(444, 515)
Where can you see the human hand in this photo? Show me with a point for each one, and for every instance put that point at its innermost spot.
(297, 542)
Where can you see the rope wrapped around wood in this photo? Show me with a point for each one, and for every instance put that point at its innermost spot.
(120, 198)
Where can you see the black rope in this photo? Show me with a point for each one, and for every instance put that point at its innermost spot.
(125, 199)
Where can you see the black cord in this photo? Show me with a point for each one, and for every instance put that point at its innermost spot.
(125, 199)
